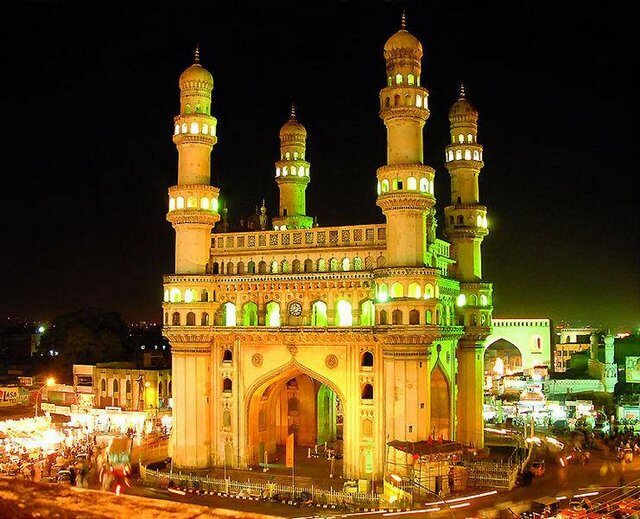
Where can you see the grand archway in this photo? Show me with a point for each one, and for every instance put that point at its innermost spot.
(295, 403)
(501, 358)
(440, 404)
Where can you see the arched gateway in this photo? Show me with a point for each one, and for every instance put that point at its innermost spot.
(295, 400)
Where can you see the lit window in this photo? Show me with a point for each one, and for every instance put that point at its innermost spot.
(414, 291)
(419, 101)
(229, 314)
(205, 128)
(295, 155)
(284, 171)
(476, 155)
(411, 79)
(383, 293)
(214, 204)
(398, 79)
(166, 295)
(277, 172)
(204, 203)
(428, 291)
(274, 266)
(379, 191)
(188, 295)
(479, 220)
(184, 127)
(192, 202)
(273, 314)
(389, 81)
(287, 155)
(307, 171)
(180, 202)
(461, 300)
(283, 228)
(319, 314)
(483, 300)
(424, 185)
(412, 184)
(467, 154)
(346, 265)
(195, 128)
(172, 204)
(345, 317)
(385, 186)
(460, 138)
(397, 290)
(175, 295)
(469, 138)
(176, 131)
(458, 154)
(450, 155)
(367, 314)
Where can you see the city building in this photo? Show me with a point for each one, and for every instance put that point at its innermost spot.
(359, 333)
(570, 341)
(121, 385)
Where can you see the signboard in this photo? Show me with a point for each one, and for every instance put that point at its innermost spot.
(112, 409)
(289, 458)
(632, 369)
(51, 408)
(8, 396)
(25, 381)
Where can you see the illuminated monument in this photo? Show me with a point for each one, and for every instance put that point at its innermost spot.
(355, 332)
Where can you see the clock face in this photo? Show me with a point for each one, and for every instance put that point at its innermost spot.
(295, 309)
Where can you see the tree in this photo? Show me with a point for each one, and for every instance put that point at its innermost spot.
(86, 337)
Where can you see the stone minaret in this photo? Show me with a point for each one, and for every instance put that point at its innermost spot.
(193, 210)
(465, 227)
(292, 176)
(405, 184)
(193, 202)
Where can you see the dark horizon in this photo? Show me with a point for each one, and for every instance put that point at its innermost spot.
(91, 91)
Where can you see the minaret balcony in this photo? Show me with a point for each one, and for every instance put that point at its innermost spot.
(194, 196)
(194, 124)
(193, 216)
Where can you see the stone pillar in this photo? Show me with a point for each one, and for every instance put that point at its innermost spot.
(191, 387)
(470, 393)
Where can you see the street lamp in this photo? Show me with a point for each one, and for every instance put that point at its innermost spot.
(49, 383)
(399, 479)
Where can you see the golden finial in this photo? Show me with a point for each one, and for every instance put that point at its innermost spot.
(293, 112)
(196, 55)
(462, 94)
(403, 21)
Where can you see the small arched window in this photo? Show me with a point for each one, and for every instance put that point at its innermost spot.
(180, 202)
(428, 316)
(204, 203)
(333, 265)
(396, 317)
(215, 268)
(458, 154)
(414, 317)
(387, 102)
(103, 385)
(398, 79)
(461, 138)
(467, 154)
(204, 295)
(227, 356)
(175, 319)
(469, 138)
(191, 319)
(383, 317)
(411, 79)
(274, 267)
(367, 392)
(227, 385)
(346, 264)
(166, 318)
(483, 300)
(424, 185)
(357, 263)
(262, 267)
(251, 267)
(284, 267)
(204, 320)
(367, 360)
(308, 265)
(396, 100)
(385, 186)
(115, 385)
(322, 265)
(419, 101)
(460, 220)
(240, 268)
(172, 204)
(450, 155)
(127, 386)
(397, 290)
(412, 183)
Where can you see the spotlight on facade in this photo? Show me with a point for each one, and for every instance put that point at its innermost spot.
(51, 382)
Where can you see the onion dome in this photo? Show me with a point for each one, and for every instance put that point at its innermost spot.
(462, 111)
(196, 76)
(292, 127)
(403, 40)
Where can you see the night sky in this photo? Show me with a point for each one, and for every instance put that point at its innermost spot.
(89, 91)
